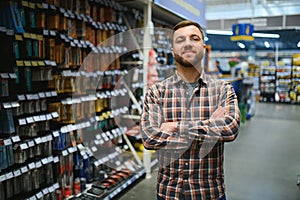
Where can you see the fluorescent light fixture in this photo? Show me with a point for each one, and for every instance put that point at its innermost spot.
(218, 32)
(267, 44)
(241, 45)
(266, 35)
(263, 35)
(298, 44)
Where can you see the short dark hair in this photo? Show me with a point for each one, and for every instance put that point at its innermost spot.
(185, 23)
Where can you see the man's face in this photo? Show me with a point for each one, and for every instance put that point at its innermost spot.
(188, 46)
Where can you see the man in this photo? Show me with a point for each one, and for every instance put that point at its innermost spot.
(187, 118)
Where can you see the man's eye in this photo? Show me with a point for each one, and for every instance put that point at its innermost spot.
(195, 38)
(179, 40)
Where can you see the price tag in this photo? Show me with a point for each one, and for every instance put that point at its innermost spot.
(6, 105)
(30, 143)
(55, 115)
(24, 169)
(41, 63)
(45, 32)
(56, 159)
(48, 94)
(47, 62)
(33, 36)
(20, 63)
(7, 142)
(21, 97)
(49, 137)
(37, 118)
(18, 37)
(56, 186)
(52, 7)
(16, 139)
(38, 164)
(31, 166)
(54, 93)
(39, 37)
(45, 161)
(2, 178)
(45, 191)
(39, 195)
(39, 5)
(62, 10)
(29, 119)
(38, 140)
(27, 63)
(51, 189)
(41, 95)
(24, 146)
(55, 134)
(22, 122)
(53, 63)
(9, 175)
(15, 104)
(34, 63)
(52, 33)
(25, 3)
(17, 172)
(31, 5)
(65, 153)
(50, 159)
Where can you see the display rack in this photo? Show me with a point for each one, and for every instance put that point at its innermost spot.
(53, 95)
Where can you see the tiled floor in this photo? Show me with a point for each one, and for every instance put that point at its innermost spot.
(261, 164)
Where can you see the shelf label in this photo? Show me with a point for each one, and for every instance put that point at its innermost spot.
(24, 146)
(20, 63)
(2, 178)
(18, 37)
(9, 175)
(17, 172)
(30, 143)
(24, 169)
(6, 105)
(31, 166)
(22, 122)
(25, 3)
(34, 63)
(16, 138)
(7, 142)
(38, 164)
(29, 119)
(27, 63)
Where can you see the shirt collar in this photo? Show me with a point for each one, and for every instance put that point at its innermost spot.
(203, 78)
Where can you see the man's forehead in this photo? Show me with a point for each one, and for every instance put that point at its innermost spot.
(187, 30)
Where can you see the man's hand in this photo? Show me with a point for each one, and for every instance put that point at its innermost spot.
(169, 127)
(219, 113)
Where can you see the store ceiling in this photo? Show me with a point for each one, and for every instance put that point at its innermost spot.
(288, 41)
(288, 28)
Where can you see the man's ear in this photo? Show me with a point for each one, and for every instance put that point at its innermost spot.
(172, 51)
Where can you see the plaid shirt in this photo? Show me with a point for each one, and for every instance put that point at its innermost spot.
(191, 160)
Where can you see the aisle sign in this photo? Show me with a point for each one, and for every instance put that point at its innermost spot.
(242, 32)
(187, 9)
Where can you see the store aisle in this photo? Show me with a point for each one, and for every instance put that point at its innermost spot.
(261, 164)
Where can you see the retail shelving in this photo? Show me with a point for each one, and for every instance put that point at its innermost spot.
(54, 94)
(267, 83)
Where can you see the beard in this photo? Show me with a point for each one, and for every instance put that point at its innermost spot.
(185, 63)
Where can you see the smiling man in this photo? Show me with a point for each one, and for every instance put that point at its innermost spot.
(187, 118)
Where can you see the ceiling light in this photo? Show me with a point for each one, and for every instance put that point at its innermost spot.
(298, 44)
(218, 32)
(241, 45)
(266, 35)
(206, 39)
(263, 35)
(267, 44)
